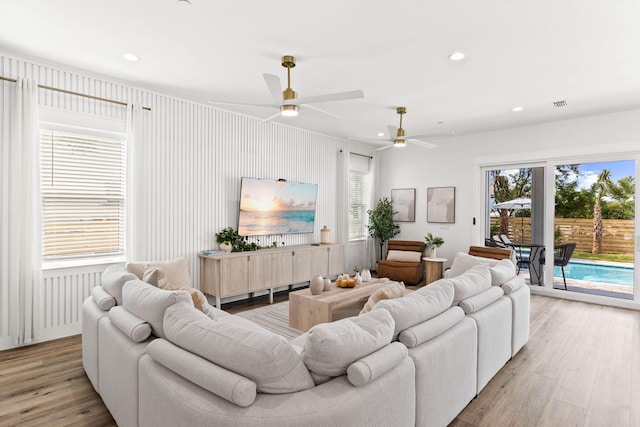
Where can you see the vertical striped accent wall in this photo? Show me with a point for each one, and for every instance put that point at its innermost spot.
(195, 156)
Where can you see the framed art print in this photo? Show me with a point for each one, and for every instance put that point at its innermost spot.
(441, 204)
(403, 201)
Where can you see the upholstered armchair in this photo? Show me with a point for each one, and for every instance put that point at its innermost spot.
(403, 262)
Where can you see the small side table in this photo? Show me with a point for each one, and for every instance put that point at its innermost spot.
(433, 269)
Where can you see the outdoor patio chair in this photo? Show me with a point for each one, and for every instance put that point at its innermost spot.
(498, 242)
(561, 256)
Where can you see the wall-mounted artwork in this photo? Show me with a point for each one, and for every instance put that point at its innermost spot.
(403, 201)
(441, 204)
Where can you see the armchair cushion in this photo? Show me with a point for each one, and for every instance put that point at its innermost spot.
(404, 256)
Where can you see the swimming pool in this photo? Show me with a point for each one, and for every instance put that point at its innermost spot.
(618, 275)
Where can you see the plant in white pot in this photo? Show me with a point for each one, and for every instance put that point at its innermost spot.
(432, 243)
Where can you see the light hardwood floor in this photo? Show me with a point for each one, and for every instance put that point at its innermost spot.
(581, 367)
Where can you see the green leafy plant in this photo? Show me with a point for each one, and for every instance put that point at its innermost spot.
(431, 242)
(239, 243)
(381, 225)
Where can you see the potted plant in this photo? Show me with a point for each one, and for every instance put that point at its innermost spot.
(432, 243)
(381, 225)
(229, 240)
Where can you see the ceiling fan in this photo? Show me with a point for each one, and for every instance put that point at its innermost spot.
(397, 135)
(287, 101)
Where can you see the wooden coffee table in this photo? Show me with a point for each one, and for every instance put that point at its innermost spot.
(306, 310)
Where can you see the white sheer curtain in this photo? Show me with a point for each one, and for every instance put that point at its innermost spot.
(371, 242)
(342, 231)
(24, 243)
(134, 242)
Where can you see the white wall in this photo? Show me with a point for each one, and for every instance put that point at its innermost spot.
(196, 155)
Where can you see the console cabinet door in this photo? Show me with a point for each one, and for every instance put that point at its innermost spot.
(320, 261)
(301, 265)
(281, 268)
(260, 270)
(234, 275)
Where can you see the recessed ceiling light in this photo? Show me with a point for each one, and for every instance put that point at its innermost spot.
(130, 57)
(380, 133)
(184, 2)
(456, 56)
(517, 109)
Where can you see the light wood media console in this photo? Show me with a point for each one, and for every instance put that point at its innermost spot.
(240, 273)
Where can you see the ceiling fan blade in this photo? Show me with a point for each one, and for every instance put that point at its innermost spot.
(319, 110)
(340, 96)
(275, 88)
(393, 131)
(250, 104)
(269, 118)
(384, 148)
(422, 144)
(431, 135)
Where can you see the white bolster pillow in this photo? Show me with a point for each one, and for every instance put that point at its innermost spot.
(376, 364)
(430, 329)
(131, 325)
(103, 299)
(512, 285)
(219, 381)
(481, 300)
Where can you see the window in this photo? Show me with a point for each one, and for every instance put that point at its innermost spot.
(359, 188)
(83, 195)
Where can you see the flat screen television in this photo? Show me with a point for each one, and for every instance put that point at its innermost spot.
(270, 207)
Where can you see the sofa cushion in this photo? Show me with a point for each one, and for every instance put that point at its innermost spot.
(502, 271)
(330, 348)
(370, 367)
(173, 272)
(265, 358)
(226, 384)
(103, 299)
(463, 262)
(425, 331)
(404, 256)
(392, 291)
(479, 301)
(512, 285)
(475, 280)
(131, 325)
(149, 302)
(113, 279)
(418, 306)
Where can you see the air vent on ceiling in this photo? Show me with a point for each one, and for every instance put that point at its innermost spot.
(562, 103)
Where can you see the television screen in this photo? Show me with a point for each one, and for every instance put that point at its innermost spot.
(276, 207)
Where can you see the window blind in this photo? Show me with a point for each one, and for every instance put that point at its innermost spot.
(358, 205)
(83, 195)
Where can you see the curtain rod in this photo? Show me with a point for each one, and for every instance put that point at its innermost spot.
(55, 89)
(358, 154)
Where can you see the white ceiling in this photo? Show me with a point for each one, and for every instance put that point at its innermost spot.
(518, 53)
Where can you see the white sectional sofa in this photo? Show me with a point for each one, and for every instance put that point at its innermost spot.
(415, 360)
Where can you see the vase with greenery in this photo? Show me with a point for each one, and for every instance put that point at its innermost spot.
(432, 242)
(381, 225)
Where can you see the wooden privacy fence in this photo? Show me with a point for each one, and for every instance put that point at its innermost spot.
(617, 238)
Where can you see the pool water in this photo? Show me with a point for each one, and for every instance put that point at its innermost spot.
(613, 274)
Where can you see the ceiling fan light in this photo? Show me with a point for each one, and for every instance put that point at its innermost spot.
(399, 143)
(289, 110)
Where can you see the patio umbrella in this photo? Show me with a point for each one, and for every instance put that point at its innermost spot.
(520, 203)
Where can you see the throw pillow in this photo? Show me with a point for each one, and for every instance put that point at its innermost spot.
(199, 300)
(174, 272)
(330, 348)
(396, 290)
(404, 256)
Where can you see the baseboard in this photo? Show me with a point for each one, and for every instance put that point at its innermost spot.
(6, 343)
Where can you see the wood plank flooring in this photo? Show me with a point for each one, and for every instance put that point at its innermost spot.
(581, 367)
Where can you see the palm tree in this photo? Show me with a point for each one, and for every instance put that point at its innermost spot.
(602, 187)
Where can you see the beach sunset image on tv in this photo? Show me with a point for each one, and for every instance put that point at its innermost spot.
(276, 207)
